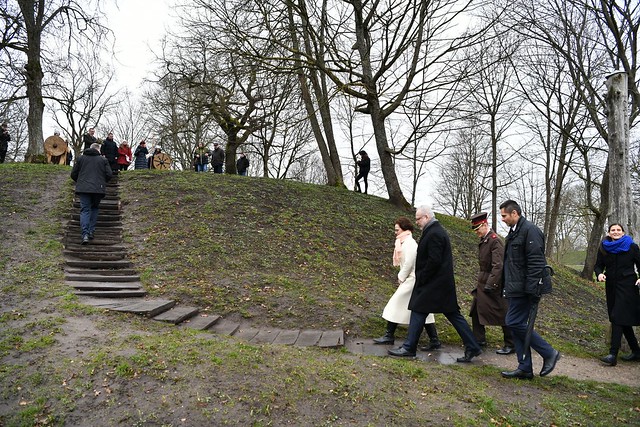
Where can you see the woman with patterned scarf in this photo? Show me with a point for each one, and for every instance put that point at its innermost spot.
(616, 265)
(396, 311)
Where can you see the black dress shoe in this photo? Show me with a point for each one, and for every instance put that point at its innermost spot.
(387, 339)
(610, 359)
(468, 355)
(549, 364)
(631, 357)
(431, 346)
(517, 374)
(401, 352)
(506, 350)
(482, 343)
(91, 236)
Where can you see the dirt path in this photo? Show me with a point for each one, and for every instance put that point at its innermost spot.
(625, 373)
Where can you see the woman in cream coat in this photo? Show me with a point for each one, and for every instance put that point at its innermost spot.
(396, 311)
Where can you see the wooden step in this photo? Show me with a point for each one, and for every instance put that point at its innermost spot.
(177, 314)
(104, 286)
(100, 264)
(95, 256)
(126, 293)
(102, 272)
(101, 278)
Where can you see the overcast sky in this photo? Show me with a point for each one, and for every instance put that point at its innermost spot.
(138, 25)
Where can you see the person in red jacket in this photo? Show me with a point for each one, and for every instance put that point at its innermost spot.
(124, 156)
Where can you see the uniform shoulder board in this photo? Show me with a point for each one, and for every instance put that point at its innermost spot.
(494, 236)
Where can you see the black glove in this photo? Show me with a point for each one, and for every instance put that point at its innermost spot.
(488, 289)
(533, 298)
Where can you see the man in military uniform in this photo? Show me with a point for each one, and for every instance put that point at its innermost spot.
(489, 308)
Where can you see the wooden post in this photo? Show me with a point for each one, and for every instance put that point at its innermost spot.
(622, 209)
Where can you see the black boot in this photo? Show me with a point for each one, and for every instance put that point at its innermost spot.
(434, 342)
(389, 336)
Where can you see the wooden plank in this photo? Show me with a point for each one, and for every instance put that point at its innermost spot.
(90, 277)
(177, 315)
(113, 294)
(224, 327)
(246, 334)
(332, 339)
(265, 336)
(201, 323)
(104, 286)
(148, 308)
(288, 337)
(308, 338)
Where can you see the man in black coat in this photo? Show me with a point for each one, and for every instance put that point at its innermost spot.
(217, 158)
(364, 166)
(89, 138)
(435, 288)
(525, 280)
(4, 141)
(91, 172)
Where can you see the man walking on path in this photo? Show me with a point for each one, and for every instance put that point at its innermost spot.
(525, 280)
(91, 172)
(489, 307)
(435, 288)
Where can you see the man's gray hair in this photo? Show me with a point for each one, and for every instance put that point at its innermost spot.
(425, 210)
(95, 146)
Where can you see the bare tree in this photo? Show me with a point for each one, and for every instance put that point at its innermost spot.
(13, 114)
(490, 93)
(80, 90)
(592, 37)
(466, 174)
(24, 32)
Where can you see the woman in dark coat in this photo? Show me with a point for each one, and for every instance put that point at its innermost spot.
(616, 265)
(141, 156)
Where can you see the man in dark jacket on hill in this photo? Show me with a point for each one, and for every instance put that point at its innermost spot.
(89, 138)
(4, 141)
(91, 172)
(435, 288)
(217, 158)
(525, 279)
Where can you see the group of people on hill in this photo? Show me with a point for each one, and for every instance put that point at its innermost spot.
(120, 156)
(512, 278)
(202, 157)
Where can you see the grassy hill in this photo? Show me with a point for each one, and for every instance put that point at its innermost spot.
(274, 253)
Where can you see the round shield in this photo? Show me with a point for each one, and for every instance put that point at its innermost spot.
(55, 146)
(161, 161)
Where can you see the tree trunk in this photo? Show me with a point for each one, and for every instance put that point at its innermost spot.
(377, 117)
(230, 153)
(33, 77)
(593, 245)
(621, 202)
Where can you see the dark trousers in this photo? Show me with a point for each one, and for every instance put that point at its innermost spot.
(416, 323)
(480, 331)
(517, 320)
(616, 338)
(217, 168)
(366, 183)
(89, 204)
